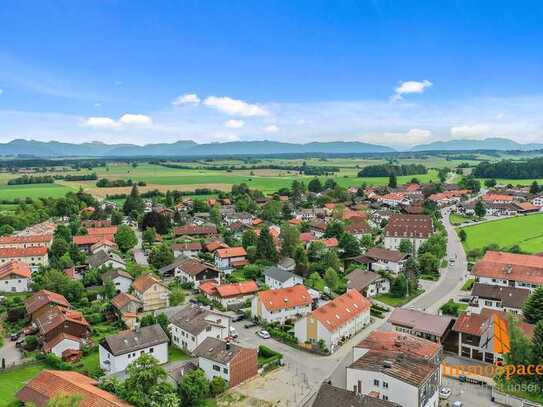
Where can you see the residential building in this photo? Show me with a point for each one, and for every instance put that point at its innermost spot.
(152, 292)
(196, 230)
(509, 299)
(85, 242)
(368, 283)
(193, 324)
(239, 217)
(63, 344)
(386, 259)
(329, 396)
(396, 377)
(15, 277)
(189, 249)
(190, 270)
(399, 342)
(118, 351)
(57, 321)
(231, 257)
(497, 198)
(538, 201)
(287, 264)
(127, 308)
(358, 229)
(103, 259)
(41, 301)
(334, 322)
(33, 256)
(230, 296)
(25, 241)
(448, 197)
(422, 324)
(51, 383)
(415, 228)
(395, 199)
(509, 270)
(276, 277)
(120, 279)
(233, 363)
(281, 304)
(105, 246)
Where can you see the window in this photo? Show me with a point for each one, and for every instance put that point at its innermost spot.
(208, 328)
(151, 350)
(375, 382)
(385, 397)
(385, 385)
(216, 368)
(225, 370)
(488, 303)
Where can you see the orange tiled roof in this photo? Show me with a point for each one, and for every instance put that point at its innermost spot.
(121, 299)
(23, 252)
(91, 239)
(26, 239)
(231, 252)
(109, 230)
(331, 242)
(18, 268)
(233, 290)
(341, 310)
(497, 197)
(146, 281)
(44, 297)
(400, 342)
(284, 298)
(510, 266)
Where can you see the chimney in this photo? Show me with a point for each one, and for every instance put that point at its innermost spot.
(227, 345)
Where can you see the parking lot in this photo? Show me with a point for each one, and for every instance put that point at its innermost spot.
(469, 394)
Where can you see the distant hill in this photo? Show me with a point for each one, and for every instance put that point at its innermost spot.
(494, 143)
(182, 148)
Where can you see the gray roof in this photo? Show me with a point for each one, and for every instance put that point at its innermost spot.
(359, 279)
(112, 274)
(329, 395)
(510, 297)
(130, 341)
(176, 370)
(420, 321)
(218, 351)
(278, 274)
(101, 257)
(287, 263)
(192, 319)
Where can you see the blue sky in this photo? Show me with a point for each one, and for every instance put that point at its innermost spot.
(390, 72)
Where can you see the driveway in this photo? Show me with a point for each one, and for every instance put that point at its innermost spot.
(10, 353)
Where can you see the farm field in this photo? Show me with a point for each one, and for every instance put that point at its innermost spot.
(515, 182)
(524, 231)
(33, 191)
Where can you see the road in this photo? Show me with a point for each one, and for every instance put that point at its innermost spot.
(10, 353)
(139, 255)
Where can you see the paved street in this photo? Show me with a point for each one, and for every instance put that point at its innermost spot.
(139, 254)
(10, 353)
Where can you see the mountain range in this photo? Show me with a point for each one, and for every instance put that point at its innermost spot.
(190, 148)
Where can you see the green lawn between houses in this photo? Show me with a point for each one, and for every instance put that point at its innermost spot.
(396, 302)
(524, 231)
(12, 380)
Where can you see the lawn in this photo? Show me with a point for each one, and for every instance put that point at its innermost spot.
(456, 219)
(524, 231)
(175, 354)
(14, 379)
(395, 301)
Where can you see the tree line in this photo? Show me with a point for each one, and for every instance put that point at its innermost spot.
(386, 170)
(532, 168)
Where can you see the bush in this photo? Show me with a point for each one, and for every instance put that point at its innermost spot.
(31, 343)
(451, 308)
(217, 386)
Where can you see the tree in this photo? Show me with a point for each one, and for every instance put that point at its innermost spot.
(334, 229)
(58, 248)
(161, 256)
(490, 183)
(58, 282)
(349, 245)
(533, 307)
(193, 388)
(534, 188)
(149, 235)
(399, 286)
(249, 238)
(217, 386)
(462, 235)
(289, 240)
(272, 211)
(406, 246)
(265, 247)
(330, 260)
(116, 217)
(392, 181)
(316, 250)
(133, 203)
(143, 377)
(300, 257)
(159, 221)
(537, 345)
(177, 296)
(125, 238)
(479, 209)
(331, 278)
(428, 263)
(315, 185)
(215, 215)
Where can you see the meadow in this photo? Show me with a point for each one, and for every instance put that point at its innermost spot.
(524, 231)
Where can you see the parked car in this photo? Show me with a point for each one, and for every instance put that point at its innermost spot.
(263, 334)
(14, 336)
(238, 317)
(20, 343)
(233, 332)
(458, 403)
(445, 393)
(249, 325)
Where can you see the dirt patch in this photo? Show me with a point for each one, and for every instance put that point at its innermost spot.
(103, 192)
(235, 399)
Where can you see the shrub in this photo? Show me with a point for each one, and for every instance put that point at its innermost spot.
(217, 386)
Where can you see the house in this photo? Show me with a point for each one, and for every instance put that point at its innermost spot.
(41, 301)
(190, 249)
(85, 242)
(15, 277)
(193, 324)
(358, 229)
(318, 227)
(306, 238)
(196, 230)
(386, 259)
(415, 228)
(32, 256)
(329, 395)
(276, 277)
(538, 201)
(281, 304)
(127, 308)
(118, 351)
(509, 270)
(190, 270)
(526, 207)
(307, 214)
(448, 197)
(421, 324)
(120, 279)
(239, 217)
(104, 245)
(25, 241)
(233, 363)
(497, 198)
(230, 296)
(58, 321)
(104, 259)
(368, 283)
(392, 341)
(334, 322)
(152, 292)
(51, 383)
(397, 377)
(485, 336)
(96, 223)
(231, 257)
(509, 299)
(394, 199)
(287, 264)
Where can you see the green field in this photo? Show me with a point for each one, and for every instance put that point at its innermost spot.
(525, 231)
(33, 191)
(14, 379)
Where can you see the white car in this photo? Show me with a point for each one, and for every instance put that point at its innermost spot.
(457, 403)
(233, 332)
(445, 393)
(264, 334)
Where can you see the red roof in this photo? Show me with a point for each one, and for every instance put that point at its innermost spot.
(208, 287)
(393, 196)
(15, 267)
(284, 298)
(400, 342)
(110, 230)
(527, 206)
(26, 239)
(330, 243)
(44, 297)
(510, 266)
(212, 246)
(497, 198)
(195, 230)
(341, 310)
(48, 346)
(229, 252)
(91, 239)
(23, 252)
(237, 289)
(146, 281)
(307, 237)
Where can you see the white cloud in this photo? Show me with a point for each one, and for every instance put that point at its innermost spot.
(234, 107)
(1, 91)
(234, 124)
(186, 99)
(473, 131)
(272, 128)
(410, 137)
(410, 87)
(135, 119)
(100, 123)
